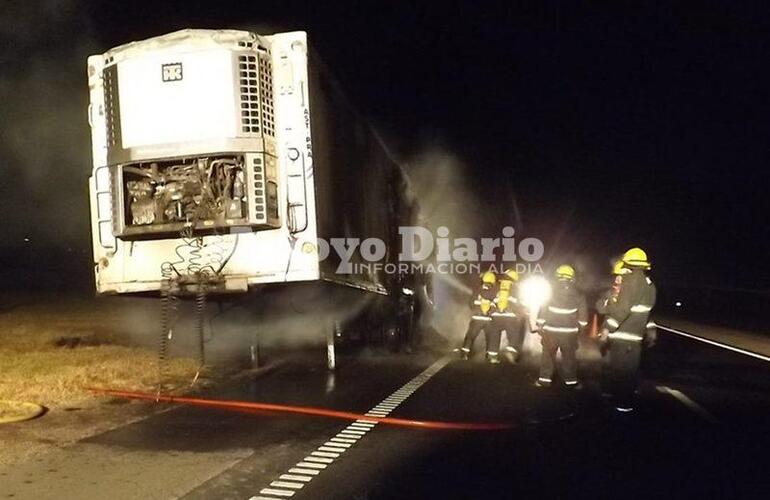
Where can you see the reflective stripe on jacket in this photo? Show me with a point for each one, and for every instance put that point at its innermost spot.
(566, 312)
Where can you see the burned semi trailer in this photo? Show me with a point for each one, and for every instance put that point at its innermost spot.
(222, 160)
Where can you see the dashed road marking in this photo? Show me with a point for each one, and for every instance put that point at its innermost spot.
(299, 470)
(355, 432)
(286, 484)
(311, 466)
(334, 452)
(333, 443)
(343, 440)
(278, 493)
(295, 477)
(689, 403)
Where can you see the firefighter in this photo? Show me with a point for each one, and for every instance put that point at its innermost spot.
(559, 323)
(508, 316)
(626, 326)
(618, 270)
(611, 294)
(481, 318)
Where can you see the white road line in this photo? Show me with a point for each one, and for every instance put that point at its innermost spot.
(338, 445)
(297, 470)
(287, 484)
(312, 465)
(715, 343)
(337, 451)
(360, 427)
(343, 440)
(689, 403)
(294, 477)
(355, 437)
(278, 493)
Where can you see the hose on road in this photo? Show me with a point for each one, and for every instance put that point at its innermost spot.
(303, 410)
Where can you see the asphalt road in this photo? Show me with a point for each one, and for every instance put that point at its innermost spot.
(700, 428)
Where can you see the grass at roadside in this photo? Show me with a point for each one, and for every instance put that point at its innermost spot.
(49, 354)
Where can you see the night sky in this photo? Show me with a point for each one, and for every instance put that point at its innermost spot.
(609, 126)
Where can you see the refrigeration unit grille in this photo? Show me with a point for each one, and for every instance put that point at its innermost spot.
(266, 91)
(112, 105)
(255, 78)
(247, 72)
(259, 189)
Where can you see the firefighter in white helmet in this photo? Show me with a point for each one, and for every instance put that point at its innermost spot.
(559, 323)
(626, 326)
(508, 316)
(481, 319)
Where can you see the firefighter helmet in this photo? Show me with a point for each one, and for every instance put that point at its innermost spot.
(488, 278)
(619, 268)
(512, 275)
(565, 272)
(636, 257)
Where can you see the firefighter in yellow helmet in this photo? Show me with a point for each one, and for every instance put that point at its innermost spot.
(626, 326)
(618, 270)
(507, 316)
(481, 319)
(559, 323)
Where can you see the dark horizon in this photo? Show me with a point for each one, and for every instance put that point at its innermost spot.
(598, 128)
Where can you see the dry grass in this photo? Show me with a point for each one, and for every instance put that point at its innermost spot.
(35, 366)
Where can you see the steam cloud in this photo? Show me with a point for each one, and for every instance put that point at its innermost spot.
(439, 182)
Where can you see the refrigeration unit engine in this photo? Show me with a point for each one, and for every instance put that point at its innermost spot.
(189, 134)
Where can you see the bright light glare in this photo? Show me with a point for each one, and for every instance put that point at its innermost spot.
(407, 291)
(534, 292)
(678, 304)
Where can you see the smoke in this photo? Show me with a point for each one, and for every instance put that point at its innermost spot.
(275, 319)
(440, 181)
(45, 154)
(440, 184)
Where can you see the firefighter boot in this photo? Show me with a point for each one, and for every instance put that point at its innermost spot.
(511, 354)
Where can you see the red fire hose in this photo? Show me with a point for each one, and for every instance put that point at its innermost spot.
(302, 410)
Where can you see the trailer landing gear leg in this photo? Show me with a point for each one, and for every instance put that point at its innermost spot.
(331, 356)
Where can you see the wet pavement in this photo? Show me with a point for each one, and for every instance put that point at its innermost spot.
(701, 427)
